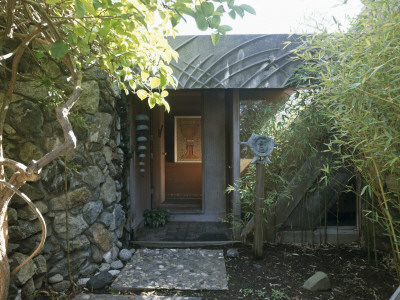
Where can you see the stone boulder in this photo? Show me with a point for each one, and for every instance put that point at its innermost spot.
(77, 260)
(108, 193)
(100, 128)
(318, 282)
(232, 253)
(26, 213)
(23, 230)
(118, 217)
(92, 176)
(56, 278)
(26, 117)
(76, 198)
(12, 216)
(79, 243)
(105, 267)
(28, 289)
(77, 225)
(41, 266)
(26, 272)
(61, 286)
(99, 281)
(116, 265)
(90, 269)
(101, 237)
(31, 89)
(92, 210)
(125, 254)
(90, 97)
(29, 151)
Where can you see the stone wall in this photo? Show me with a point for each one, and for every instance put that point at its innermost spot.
(91, 177)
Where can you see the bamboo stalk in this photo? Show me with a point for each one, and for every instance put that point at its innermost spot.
(325, 221)
(374, 233)
(391, 231)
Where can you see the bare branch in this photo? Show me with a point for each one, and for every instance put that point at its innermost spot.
(7, 98)
(23, 36)
(17, 59)
(8, 55)
(25, 78)
(10, 17)
(41, 219)
(13, 165)
(69, 136)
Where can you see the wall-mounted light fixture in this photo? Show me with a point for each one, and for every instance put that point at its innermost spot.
(142, 131)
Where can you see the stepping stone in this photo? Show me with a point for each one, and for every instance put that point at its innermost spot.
(130, 297)
(180, 269)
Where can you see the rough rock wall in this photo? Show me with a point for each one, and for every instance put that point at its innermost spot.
(94, 173)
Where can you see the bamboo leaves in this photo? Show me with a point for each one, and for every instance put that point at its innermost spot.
(356, 74)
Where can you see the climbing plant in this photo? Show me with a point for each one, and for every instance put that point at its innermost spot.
(126, 38)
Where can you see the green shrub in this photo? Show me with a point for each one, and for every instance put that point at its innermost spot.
(156, 217)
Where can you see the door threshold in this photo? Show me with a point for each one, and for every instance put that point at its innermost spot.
(197, 217)
(185, 212)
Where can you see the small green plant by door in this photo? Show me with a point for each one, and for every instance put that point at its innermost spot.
(156, 217)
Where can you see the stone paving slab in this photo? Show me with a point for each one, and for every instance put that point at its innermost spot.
(130, 297)
(181, 269)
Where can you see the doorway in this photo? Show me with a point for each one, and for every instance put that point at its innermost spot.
(182, 155)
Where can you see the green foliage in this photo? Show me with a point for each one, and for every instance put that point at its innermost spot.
(348, 104)
(127, 38)
(251, 292)
(300, 129)
(156, 217)
(355, 78)
(277, 294)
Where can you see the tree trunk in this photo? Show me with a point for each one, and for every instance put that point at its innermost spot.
(4, 267)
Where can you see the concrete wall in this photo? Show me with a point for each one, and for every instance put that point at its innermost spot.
(214, 154)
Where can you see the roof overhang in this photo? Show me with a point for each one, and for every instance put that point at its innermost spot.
(237, 61)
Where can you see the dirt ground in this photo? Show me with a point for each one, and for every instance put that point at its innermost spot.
(283, 270)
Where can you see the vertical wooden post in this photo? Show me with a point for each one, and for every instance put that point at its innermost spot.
(235, 163)
(258, 212)
(262, 146)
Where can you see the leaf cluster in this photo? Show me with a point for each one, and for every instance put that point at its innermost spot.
(127, 38)
(156, 217)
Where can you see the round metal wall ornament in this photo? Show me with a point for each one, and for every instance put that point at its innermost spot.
(262, 146)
